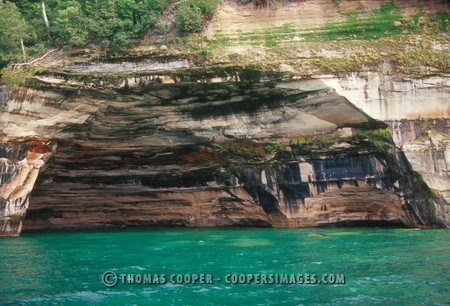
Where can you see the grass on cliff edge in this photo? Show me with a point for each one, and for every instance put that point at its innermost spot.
(369, 137)
(382, 22)
(15, 76)
(373, 139)
(362, 42)
(407, 44)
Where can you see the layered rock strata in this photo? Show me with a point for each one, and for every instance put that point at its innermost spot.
(20, 163)
(214, 151)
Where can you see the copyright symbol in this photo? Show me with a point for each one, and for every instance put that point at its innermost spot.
(109, 279)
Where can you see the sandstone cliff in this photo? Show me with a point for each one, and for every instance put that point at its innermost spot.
(165, 138)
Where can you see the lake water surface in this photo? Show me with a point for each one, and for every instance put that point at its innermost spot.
(380, 266)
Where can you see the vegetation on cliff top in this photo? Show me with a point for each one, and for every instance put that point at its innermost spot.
(191, 14)
(28, 27)
(17, 76)
(111, 26)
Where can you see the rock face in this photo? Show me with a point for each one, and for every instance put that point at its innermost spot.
(162, 138)
(386, 97)
(234, 19)
(3, 95)
(202, 154)
(343, 190)
(426, 146)
(19, 169)
(431, 158)
(92, 206)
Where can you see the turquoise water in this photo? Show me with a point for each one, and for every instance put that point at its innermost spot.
(381, 266)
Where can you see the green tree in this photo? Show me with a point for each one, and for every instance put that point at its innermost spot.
(15, 34)
(207, 7)
(145, 13)
(108, 29)
(191, 14)
(111, 24)
(31, 11)
(189, 18)
(70, 26)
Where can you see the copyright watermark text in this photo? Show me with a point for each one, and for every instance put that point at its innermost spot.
(111, 279)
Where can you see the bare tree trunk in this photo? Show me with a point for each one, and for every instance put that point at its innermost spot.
(23, 50)
(47, 25)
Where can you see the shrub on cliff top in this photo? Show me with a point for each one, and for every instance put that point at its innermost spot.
(17, 76)
(259, 2)
(191, 14)
(189, 18)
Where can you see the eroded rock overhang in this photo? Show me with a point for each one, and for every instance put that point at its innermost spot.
(196, 148)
